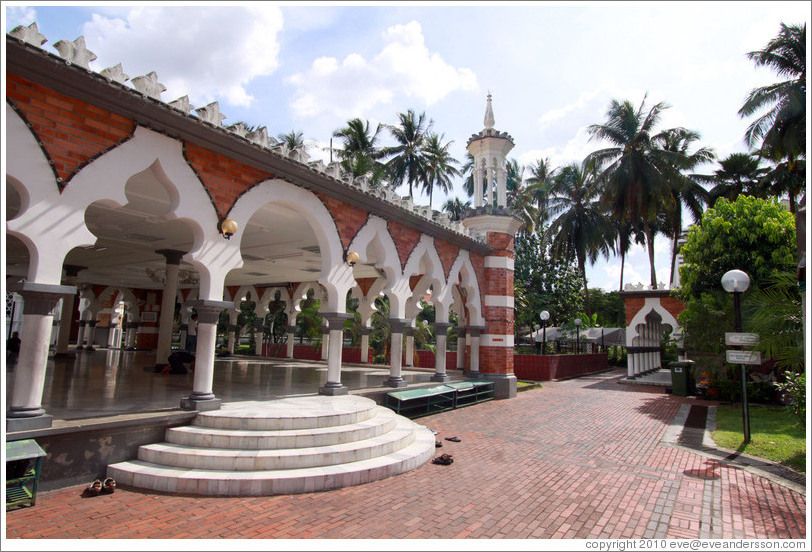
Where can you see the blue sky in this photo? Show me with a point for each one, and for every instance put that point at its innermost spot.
(552, 68)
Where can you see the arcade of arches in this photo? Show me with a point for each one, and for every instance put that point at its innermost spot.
(115, 209)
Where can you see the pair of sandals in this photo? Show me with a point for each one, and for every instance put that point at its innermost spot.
(443, 460)
(438, 444)
(98, 487)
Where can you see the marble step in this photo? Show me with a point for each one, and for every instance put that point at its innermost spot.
(146, 475)
(382, 421)
(289, 413)
(182, 456)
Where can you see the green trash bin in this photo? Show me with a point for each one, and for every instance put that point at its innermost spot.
(23, 467)
(682, 380)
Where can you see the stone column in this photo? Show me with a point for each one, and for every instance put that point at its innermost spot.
(25, 407)
(398, 326)
(91, 335)
(208, 313)
(325, 339)
(167, 315)
(461, 332)
(408, 331)
(441, 331)
(335, 321)
(473, 335)
(290, 337)
(259, 326)
(68, 302)
(232, 337)
(132, 332)
(80, 338)
(365, 330)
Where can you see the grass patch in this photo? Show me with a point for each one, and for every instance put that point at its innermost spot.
(775, 434)
(527, 385)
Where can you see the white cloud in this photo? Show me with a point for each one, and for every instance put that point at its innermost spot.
(20, 15)
(352, 87)
(209, 53)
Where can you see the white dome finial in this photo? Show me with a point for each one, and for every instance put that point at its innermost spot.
(489, 120)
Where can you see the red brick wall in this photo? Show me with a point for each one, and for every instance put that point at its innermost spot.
(634, 304)
(224, 178)
(405, 239)
(348, 218)
(448, 254)
(552, 367)
(496, 360)
(72, 132)
(672, 305)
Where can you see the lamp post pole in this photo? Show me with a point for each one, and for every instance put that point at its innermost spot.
(736, 282)
(577, 336)
(545, 316)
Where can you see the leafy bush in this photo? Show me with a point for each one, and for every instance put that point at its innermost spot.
(793, 391)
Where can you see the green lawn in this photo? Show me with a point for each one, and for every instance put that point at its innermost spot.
(775, 434)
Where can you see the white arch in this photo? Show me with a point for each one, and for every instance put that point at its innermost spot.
(651, 304)
(462, 272)
(335, 275)
(375, 245)
(26, 163)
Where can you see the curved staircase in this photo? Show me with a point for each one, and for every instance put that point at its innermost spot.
(285, 446)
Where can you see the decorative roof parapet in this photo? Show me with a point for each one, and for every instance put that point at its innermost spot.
(115, 73)
(75, 52)
(148, 85)
(260, 137)
(30, 34)
(211, 114)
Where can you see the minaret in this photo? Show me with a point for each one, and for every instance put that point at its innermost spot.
(495, 219)
(489, 149)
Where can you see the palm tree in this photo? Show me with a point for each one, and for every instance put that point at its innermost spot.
(468, 172)
(408, 161)
(540, 181)
(521, 197)
(738, 174)
(293, 139)
(782, 130)
(579, 227)
(636, 173)
(455, 208)
(685, 191)
(440, 166)
(360, 147)
(622, 234)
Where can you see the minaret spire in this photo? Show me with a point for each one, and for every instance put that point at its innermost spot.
(489, 120)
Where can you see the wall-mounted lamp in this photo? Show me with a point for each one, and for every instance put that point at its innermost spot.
(351, 257)
(227, 228)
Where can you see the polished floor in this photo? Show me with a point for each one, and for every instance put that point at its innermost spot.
(108, 382)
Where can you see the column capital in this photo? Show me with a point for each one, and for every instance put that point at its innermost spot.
(441, 328)
(41, 298)
(475, 330)
(72, 271)
(366, 330)
(208, 312)
(335, 320)
(172, 256)
(399, 325)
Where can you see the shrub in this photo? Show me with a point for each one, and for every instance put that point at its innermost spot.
(793, 391)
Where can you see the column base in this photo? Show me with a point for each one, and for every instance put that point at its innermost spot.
(333, 389)
(472, 375)
(43, 421)
(395, 382)
(90, 348)
(504, 385)
(440, 377)
(200, 404)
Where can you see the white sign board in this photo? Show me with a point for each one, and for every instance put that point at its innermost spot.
(741, 338)
(743, 357)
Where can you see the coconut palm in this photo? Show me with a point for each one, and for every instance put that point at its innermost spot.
(359, 145)
(407, 164)
(540, 181)
(738, 174)
(686, 191)
(781, 131)
(455, 207)
(579, 226)
(636, 173)
(440, 166)
(293, 139)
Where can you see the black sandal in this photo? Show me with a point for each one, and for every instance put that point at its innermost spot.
(453, 439)
(94, 488)
(109, 486)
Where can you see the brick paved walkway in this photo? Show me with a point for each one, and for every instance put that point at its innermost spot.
(577, 459)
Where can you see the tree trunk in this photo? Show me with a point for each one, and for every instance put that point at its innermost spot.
(586, 289)
(650, 243)
(622, 268)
